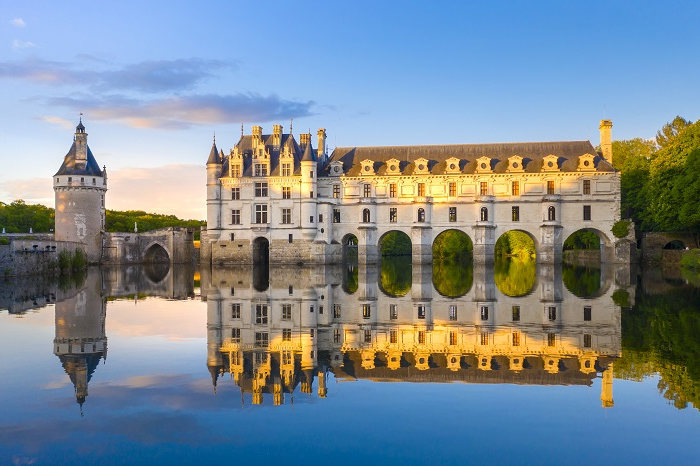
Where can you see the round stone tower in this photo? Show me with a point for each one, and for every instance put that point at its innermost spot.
(80, 188)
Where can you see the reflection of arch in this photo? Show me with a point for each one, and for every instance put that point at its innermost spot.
(365, 216)
(156, 272)
(675, 245)
(396, 276)
(584, 281)
(421, 214)
(453, 244)
(155, 253)
(551, 213)
(484, 214)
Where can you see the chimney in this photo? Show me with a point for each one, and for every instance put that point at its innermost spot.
(606, 140)
(257, 133)
(276, 135)
(321, 143)
(304, 140)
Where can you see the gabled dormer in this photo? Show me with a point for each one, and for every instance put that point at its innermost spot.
(550, 163)
(586, 162)
(393, 167)
(452, 166)
(421, 167)
(515, 164)
(366, 167)
(235, 163)
(335, 168)
(483, 165)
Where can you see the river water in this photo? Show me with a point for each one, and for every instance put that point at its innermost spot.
(397, 364)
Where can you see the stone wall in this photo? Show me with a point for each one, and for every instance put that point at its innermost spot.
(137, 248)
(653, 245)
(24, 257)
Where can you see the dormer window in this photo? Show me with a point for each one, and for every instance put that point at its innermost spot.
(550, 163)
(586, 163)
(421, 167)
(515, 164)
(260, 169)
(367, 167)
(286, 169)
(336, 169)
(483, 165)
(452, 165)
(393, 167)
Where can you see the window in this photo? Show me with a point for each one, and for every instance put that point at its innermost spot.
(483, 188)
(260, 189)
(336, 191)
(484, 338)
(516, 339)
(367, 190)
(236, 310)
(320, 218)
(261, 313)
(368, 336)
(260, 169)
(453, 214)
(291, 289)
(236, 171)
(515, 188)
(551, 214)
(235, 194)
(586, 340)
(291, 238)
(311, 194)
(236, 335)
(336, 311)
(550, 187)
(484, 313)
(393, 311)
(552, 313)
(286, 312)
(336, 335)
(233, 236)
(393, 336)
(515, 213)
(453, 338)
(551, 339)
(286, 334)
(587, 313)
(286, 216)
(392, 190)
(586, 212)
(421, 337)
(320, 309)
(260, 213)
(484, 214)
(311, 309)
(336, 215)
(366, 311)
(453, 312)
(287, 358)
(311, 219)
(516, 313)
(421, 214)
(421, 189)
(236, 217)
(392, 215)
(452, 189)
(286, 192)
(365, 216)
(286, 169)
(312, 333)
(70, 179)
(311, 175)
(586, 186)
(262, 339)
(421, 312)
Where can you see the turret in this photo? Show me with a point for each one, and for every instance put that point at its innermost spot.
(308, 193)
(606, 140)
(214, 166)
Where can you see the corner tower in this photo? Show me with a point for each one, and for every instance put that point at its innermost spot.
(80, 187)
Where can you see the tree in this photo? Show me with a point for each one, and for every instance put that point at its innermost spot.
(671, 130)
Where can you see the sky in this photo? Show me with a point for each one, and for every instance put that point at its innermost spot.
(156, 80)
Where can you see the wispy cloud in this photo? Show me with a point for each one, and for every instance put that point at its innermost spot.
(21, 44)
(185, 111)
(54, 120)
(146, 77)
(19, 22)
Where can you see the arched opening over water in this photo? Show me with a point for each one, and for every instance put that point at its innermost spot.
(453, 269)
(675, 245)
(515, 268)
(261, 263)
(156, 254)
(396, 268)
(350, 266)
(586, 246)
(395, 243)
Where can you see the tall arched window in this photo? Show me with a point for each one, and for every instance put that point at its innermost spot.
(421, 215)
(551, 214)
(484, 214)
(365, 216)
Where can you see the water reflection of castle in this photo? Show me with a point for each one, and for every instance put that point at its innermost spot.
(273, 337)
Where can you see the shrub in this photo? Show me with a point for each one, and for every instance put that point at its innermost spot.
(621, 228)
(64, 261)
(79, 260)
(621, 298)
(691, 260)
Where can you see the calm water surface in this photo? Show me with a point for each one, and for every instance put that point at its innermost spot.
(394, 364)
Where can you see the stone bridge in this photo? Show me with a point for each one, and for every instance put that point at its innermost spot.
(666, 247)
(173, 245)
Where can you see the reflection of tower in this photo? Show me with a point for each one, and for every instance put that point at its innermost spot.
(80, 341)
(606, 390)
(80, 188)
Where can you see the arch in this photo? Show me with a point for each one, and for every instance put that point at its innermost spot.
(551, 213)
(366, 217)
(582, 240)
(675, 245)
(515, 268)
(453, 268)
(516, 243)
(395, 243)
(484, 214)
(261, 263)
(453, 245)
(421, 214)
(156, 253)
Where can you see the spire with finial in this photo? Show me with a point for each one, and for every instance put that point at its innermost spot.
(291, 123)
(241, 129)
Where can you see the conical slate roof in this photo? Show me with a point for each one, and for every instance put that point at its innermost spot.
(68, 167)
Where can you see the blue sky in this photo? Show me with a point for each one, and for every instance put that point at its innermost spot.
(154, 80)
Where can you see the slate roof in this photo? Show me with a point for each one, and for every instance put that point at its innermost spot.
(68, 166)
(245, 148)
(532, 153)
